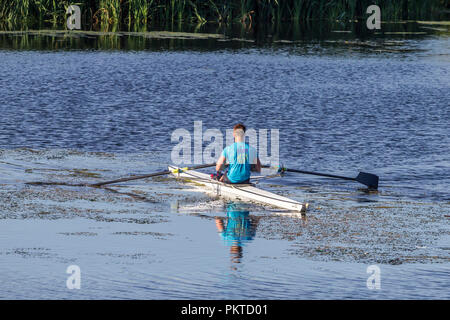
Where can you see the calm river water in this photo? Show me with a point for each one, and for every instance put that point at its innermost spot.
(89, 107)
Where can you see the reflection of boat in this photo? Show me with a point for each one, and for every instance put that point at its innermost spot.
(242, 192)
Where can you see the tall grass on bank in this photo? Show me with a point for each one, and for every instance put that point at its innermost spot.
(170, 11)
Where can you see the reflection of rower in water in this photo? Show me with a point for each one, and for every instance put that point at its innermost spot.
(236, 229)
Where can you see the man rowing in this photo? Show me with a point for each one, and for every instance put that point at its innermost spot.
(241, 158)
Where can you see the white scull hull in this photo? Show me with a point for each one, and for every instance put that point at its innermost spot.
(246, 193)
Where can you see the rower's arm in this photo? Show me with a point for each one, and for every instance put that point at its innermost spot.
(220, 163)
(256, 167)
(219, 225)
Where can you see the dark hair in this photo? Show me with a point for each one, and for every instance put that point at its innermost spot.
(239, 126)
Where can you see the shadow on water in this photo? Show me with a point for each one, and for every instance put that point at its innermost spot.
(216, 36)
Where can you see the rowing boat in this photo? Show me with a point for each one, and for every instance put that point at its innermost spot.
(242, 192)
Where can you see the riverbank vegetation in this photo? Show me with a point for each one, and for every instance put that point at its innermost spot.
(164, 12)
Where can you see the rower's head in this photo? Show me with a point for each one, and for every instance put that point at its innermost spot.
(239, 132)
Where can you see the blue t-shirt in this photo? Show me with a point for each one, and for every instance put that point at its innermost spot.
(239, 228)
(240, 156)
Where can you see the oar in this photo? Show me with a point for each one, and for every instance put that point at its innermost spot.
(161, 173)
(365, 178)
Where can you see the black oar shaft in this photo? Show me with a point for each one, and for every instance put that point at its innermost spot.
(365, 178)
(130, 178)
(320, 174)
(148, 175)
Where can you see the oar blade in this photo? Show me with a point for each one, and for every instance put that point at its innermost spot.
(368, 179)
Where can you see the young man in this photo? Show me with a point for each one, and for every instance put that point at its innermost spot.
(241, 157)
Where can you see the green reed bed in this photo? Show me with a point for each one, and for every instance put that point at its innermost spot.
(247, 11)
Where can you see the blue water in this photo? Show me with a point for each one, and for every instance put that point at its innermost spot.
(189, 266)
(338, 111)
(385, 115)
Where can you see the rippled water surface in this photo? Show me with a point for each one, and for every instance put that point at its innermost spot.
(341, 105)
